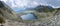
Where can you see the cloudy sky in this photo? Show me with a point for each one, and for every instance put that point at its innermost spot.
(19, 4)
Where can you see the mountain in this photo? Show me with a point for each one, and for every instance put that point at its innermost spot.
(45, 19)
(6, 12)
(16, 9)
(42, 8)
(1, 5)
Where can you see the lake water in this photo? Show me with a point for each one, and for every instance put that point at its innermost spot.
(28, 17)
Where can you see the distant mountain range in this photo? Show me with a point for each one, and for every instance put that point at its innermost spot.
(42, 8)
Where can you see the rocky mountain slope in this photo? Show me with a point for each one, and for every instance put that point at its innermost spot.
(6, 12)
(45, 18)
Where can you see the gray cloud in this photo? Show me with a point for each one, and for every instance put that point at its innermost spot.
(32, 3)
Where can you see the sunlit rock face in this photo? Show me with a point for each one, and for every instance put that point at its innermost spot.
(28, 17)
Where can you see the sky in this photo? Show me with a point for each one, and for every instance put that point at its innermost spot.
(22, 4)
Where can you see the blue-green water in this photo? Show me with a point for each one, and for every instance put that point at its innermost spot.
(28, 17)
